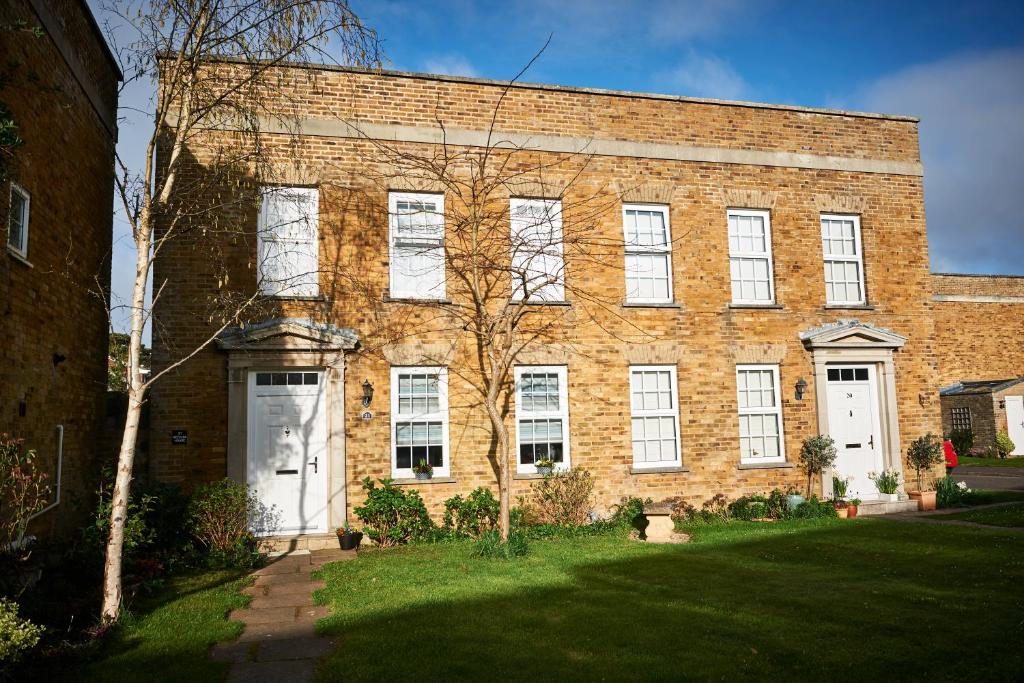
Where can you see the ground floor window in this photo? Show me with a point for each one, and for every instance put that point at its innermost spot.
(419, 419)
(961, 419)
(542, 416)
(760, 414)
(654, 401)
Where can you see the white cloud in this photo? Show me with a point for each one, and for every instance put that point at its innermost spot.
(972, 146)
(705, 76)
(451, 65)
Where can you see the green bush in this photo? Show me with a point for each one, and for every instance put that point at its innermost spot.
(815, 509)
(749, 508)
(561, 498)
(391, 516)
(489, 544)
(139, 536)
(963, 441)
(949, 493)
(715, 510)
(1004, 444)
(16, 634)
(626, 512)
(471, 516)
(220, 516)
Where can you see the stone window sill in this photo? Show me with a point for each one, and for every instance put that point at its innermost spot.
(297, 297)
(657, 470)
(410, 300)
(544, 303)
(767, 466)
(432, 480)
(769, 307)
(527, 475)
(18, 257)
(849, 307)
(636, 304)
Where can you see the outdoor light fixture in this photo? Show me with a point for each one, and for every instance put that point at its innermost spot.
(801, 387)
(367, 393)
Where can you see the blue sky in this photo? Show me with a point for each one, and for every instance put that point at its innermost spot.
(957, 65)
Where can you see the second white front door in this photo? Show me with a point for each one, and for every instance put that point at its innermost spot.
(1015, 422)
(287, 454)
(854, 425)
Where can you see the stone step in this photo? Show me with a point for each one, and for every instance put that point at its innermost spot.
(299, 628)
(273, 672)
(872, 508)
(282, 600)
(282, 579)
(309, 542)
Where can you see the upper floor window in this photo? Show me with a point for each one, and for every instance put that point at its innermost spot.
(17, 222)
(961, 418)
(648, 254)
(542, 416)
(288, 241)
(417, 245)
(760, 412)
(750, 257)
(844, 260)
(419, 420)
(538, 266)
(654, 403)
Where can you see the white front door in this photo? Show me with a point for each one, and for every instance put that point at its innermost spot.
(854, 425)
(1015, 422)
(287, 448)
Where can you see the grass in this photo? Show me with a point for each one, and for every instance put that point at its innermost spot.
(990, 462)
(1006, 515)
(166, 637)
(986, 496)
(815, 599)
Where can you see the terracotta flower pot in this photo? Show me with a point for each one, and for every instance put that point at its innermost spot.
(851, 511)
(925, 499)
(843, 513)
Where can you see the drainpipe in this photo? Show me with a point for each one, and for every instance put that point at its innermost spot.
(60, 467)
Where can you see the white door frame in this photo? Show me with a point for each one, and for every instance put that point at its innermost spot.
(1015, 422)
(255, 392)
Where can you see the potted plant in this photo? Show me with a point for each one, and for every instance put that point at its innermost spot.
(817, 454)
(887, 483)
(851, 507)
(348, 538)
(923, 454)
(544, 466)
(423, 469)
(794, 499)
(839, 488)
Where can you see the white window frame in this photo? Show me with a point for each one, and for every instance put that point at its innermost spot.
(858, 258)
(672, 412)
(955, 418)
(776, 411)
(441, 415)
(665, 250)
(19, 249)
(765, 255)
(306, 284)
(561, 414)
(557, 287)
(395, 289)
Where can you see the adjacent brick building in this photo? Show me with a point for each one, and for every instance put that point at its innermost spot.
(744, 318)
(61, 88)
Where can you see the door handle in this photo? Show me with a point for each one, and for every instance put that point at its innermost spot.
(315, 464)
(871, 441)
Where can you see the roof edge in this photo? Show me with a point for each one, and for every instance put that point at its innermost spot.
(91, 18)
(992, 275)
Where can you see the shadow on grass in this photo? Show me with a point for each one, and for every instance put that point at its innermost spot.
(846, 600)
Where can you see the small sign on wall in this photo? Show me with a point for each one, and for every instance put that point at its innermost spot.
(179, 437)
(367, 415)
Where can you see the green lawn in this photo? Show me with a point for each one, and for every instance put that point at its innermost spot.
(991, 462)
(167, 637)
(1005, 515)
(798, 600)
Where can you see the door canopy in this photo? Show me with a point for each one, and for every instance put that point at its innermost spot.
(288, 334)
(851, 334)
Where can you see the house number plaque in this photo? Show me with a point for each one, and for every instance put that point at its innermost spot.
(367, 415)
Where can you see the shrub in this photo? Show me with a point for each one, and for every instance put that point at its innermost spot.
(626, 512)
(714, 510)
(815, 509)
(886, 482)
(489, 544)
(473, 515)
(1004, 444)
(817, 454)
(749, 508)
(16, 634)
(923, 454)
(220, 516)
(138, 534)
(24, 490)
(963, 441)
(949, 493)
(561, 498)
(392, 516)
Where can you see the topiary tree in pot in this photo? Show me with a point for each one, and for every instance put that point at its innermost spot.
(923, 454)
(817, 454)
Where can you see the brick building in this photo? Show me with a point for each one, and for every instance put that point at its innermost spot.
(61, 89)
(773, 283)
(979, 322)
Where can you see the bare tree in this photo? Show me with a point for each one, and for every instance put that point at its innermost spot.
(215, 62)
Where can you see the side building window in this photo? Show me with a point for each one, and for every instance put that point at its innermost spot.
(419, 420)
(760, 413)
(750, 257)
(542, 416)
(17, 221)
(654, 402)
(288, 243)
(416, 228)
(961, 418)
(648, 254)
(538, 266)
(844, 260)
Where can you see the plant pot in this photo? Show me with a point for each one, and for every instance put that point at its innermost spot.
(350, 540)
(544, 471)
(842, 513)
(424, 475)
(851, 511)
(888, 497)
(795, 500)
(925, 499)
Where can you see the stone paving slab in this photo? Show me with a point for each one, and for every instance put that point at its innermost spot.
(272, 672)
